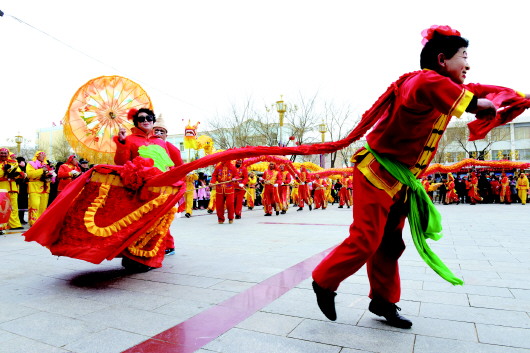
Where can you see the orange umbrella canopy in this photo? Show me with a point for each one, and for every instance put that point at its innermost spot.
(97, 111)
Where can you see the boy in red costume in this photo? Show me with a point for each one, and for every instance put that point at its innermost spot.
(284, 188)
(271, 197)
(240, 191)
(68, 172)
(304, 194)
(223, 175)
(420, 105)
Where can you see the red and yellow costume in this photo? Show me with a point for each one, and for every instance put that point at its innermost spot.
(40, 175)
(295, 197)
(270, 197)
(224, 173)
(190, 188)
(284, 181)
(473, 194)
(304, 194)
(240, 191)
(505, 194)
(522, 187)
(67, 173)
(251, 190)
(451, 195)
(412, 117)
(9, 173)
(319, 185)
(344, 193)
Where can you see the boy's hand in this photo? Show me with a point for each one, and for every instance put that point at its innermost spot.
(485, 109)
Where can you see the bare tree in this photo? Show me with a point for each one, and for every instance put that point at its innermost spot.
(61, 149)
(458, 136)
(303, 120)
(339, 123)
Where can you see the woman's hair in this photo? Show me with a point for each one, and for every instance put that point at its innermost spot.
(440, 44)
(143, 110)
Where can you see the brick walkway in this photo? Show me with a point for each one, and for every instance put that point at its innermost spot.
(249, 284)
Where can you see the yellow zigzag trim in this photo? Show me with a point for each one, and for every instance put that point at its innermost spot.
(115, 227)
(159, 229)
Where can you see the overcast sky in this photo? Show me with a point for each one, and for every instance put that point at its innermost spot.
(196, 58)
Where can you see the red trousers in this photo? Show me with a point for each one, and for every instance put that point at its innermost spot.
(319, 198)
(221, 200)
(303, 195)
(375, 239)
(239, 196)
(270, 197)
(344, 196)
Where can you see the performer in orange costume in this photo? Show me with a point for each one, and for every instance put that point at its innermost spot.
(40, 175)
(224, 173)
(451, 195)
(344, 193)
(319, 185)
(239, 195)
(251, 190)
(270, 197)
(9, 173)
(473, 194)
(505, 194)
(304, 190)
(191, 178)
(522, 188)
(68, 172)
(284, 182)
(412, 117)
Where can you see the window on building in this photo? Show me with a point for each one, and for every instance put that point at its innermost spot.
(501, 133)
(522, 131)
(181, 146)
(524, 154)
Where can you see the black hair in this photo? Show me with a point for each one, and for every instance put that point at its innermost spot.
(143, 110)
(440, 44)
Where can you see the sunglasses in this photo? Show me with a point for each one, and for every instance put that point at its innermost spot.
(148, 118)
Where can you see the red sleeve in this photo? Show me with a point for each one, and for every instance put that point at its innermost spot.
(123, 152)
(440, 92)
(64, 171)
(213, 180)
(174, 154)
(244, 173)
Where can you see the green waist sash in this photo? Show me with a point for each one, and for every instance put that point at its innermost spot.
(424, 219)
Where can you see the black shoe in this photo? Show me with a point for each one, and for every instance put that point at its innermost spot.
(2, 232)
(390, 312)
(283, 212)
(169, 251)
(210, 211)
(277, 213)
(340, 207)
(300, 209)
(187, 215)
(238, 216)
(17, 228)
(310, 207)
(326, 301)
(268, 214)
(133, 266)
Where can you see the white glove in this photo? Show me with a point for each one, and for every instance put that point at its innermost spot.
(275, 185)
(241, 185)
(302, 183)
(309, 184)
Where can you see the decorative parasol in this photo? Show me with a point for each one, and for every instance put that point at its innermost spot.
(97, 111)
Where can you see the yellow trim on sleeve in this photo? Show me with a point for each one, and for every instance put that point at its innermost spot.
(521, 94)
(460, 105)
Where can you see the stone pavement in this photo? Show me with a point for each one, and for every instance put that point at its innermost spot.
(50, 304)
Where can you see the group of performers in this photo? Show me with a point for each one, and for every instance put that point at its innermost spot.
(125, 210)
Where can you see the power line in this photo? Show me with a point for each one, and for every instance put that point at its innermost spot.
(99, 61)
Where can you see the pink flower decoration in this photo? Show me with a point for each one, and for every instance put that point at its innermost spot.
(445, 30)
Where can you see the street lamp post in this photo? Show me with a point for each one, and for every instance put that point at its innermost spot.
(322, 129)
(281, 107)
(18, 139)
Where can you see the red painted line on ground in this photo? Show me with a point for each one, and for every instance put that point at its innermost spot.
(308, 224)
(201, 329)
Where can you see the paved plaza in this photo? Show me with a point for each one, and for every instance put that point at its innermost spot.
(246, 287)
